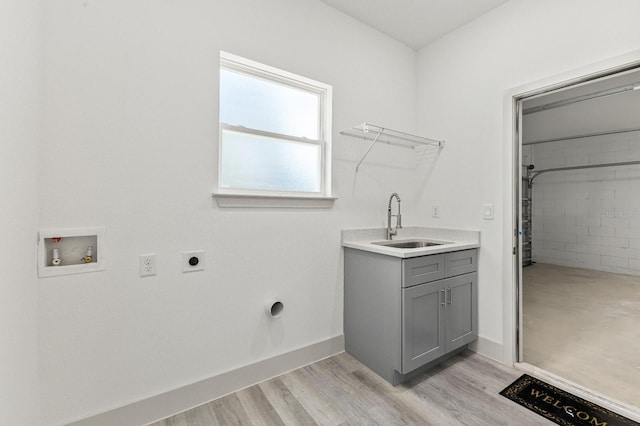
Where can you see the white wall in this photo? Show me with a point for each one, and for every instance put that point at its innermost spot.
(463, 82)
(20, 85)
(589, 218)
(131, 94)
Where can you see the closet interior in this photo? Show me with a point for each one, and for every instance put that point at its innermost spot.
(580, 235)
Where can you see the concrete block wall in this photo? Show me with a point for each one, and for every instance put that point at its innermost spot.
(587, 218)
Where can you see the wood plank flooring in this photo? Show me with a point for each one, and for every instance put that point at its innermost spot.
(341, 391)
(584, 325)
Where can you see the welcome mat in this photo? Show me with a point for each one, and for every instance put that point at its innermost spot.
(559, 406)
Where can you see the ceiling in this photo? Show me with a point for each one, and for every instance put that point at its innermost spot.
(415, 23)
(587, 116)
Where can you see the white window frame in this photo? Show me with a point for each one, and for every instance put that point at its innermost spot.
(241, 197)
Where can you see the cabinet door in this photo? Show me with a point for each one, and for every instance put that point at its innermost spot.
(462, 310)
(423, 337)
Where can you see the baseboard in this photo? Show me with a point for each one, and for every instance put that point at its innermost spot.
(167, 404)
(489, 348)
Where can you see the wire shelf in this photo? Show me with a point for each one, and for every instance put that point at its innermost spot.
(377, 134)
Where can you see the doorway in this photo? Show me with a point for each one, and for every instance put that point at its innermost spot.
(578, 204)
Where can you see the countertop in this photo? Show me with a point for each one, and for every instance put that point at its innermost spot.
(453, 239)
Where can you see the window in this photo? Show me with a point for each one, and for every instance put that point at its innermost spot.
(275, 133)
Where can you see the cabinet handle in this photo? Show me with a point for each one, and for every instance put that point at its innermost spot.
(443, 297)
(449, 299)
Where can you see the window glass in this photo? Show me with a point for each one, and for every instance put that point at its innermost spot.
(263, 163)
(259, 104)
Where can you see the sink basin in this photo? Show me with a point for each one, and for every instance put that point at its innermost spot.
(410, 244)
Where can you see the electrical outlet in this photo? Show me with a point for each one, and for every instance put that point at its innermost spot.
(435, 211)
(193, 261)
(148, 265)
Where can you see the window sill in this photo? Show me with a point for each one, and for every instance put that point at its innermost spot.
(272, 201)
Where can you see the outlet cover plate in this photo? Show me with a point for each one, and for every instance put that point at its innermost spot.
(435, 211)
(148, 265)
(187, 262)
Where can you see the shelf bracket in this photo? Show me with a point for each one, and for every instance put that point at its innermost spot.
(375, 140)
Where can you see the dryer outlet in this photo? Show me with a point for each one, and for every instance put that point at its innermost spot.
(193, 261)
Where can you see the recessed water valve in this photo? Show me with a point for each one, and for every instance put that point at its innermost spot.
(89, 257)
(56, 258)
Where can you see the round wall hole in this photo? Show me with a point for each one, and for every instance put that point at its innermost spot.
(276, 309)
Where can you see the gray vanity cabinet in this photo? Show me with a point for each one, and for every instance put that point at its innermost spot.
(404, 314)
(437, 317)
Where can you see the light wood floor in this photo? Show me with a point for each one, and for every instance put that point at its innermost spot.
(584, 325)
(341, 391)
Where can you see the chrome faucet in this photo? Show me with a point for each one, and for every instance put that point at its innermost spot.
(392, 232)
